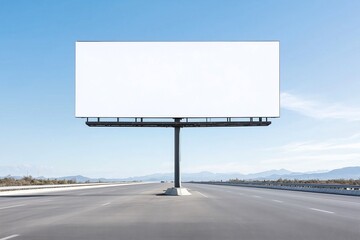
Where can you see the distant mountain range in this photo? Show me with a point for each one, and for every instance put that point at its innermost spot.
(345, 173)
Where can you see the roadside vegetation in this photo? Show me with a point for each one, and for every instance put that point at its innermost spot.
(295, 181)
(29, 180)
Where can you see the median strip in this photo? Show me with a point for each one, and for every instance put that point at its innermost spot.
(8, 191)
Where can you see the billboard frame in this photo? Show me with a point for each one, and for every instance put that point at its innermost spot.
(194, 41)
(182, 123)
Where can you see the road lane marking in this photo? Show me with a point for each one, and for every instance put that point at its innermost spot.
(278, 201)
(42, 201)
(256, 196)
(233, 192)
(19, 205)
(320, 210)
(202, 194)
(105, 204)
(11, 236)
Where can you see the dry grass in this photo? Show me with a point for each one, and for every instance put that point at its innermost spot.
(10, 181)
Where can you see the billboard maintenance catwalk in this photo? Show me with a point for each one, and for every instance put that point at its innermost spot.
(177, 84)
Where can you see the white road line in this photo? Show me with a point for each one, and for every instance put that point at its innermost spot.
(8, 237)
(202, 194)
(320, 210)
(105, 204)
(42, 201)
(19, 205)
(234, 192)
(256, 196)
(278, 201)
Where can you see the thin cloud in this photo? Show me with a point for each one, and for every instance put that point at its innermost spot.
(307, 163)
(350, 143)
(317, 146)
(328, 153)
(318, 110)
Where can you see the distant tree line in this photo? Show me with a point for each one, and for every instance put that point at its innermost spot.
(296, 181)
(29, 180)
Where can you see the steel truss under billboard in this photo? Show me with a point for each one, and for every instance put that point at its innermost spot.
(178, 85)
(182, 123)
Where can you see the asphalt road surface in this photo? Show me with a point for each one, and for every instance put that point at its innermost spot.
(211, 212)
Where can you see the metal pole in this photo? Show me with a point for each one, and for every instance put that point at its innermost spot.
(177, 154)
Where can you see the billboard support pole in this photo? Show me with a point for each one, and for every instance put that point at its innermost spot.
(177, 190)
(177, 180)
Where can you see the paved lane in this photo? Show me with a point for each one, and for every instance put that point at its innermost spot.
(212, 212)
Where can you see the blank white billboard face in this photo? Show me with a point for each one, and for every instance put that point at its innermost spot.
(177, 79)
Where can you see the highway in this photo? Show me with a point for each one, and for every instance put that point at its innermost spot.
(212, 212)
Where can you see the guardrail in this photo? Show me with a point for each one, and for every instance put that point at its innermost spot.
(353, 190)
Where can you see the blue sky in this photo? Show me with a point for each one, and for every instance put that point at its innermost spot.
(319, 127)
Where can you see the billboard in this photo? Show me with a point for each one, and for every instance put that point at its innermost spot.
(177, 79)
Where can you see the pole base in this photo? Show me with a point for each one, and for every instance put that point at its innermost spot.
(177, 192)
